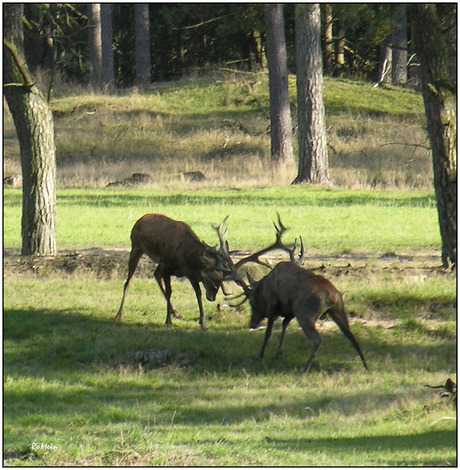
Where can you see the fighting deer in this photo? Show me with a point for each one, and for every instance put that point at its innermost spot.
(290, 291)
(178, 252)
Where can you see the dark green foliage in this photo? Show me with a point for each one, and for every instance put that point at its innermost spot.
(191, 37)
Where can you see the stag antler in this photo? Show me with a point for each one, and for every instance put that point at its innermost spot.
(223, 250)
(280, 229)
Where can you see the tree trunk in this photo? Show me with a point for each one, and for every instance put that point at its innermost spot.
(280, 112)
(385, 62)
(34, 127)
(340, 52)
(313, 158)
(142, 26)
(440, 98)
(95, 44)
(399, 44)
(107, 47)
(328, 38)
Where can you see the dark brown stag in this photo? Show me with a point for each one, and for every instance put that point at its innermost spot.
(178, 252)
(290, 291)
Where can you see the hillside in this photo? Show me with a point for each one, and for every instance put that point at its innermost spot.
(217, 125)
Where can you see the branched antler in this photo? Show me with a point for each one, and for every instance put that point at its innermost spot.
(223, 250)
(231, 269)
(280, 229)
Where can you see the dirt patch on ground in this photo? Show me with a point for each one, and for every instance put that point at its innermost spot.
(114, 263)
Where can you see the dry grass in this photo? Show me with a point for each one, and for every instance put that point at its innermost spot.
(214, 125)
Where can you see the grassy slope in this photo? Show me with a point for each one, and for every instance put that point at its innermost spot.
(215, 124)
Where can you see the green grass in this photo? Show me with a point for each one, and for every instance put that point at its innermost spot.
(330, 221)
(69, 376)
(70, 381)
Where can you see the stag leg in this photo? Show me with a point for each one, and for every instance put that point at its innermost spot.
(165, 279)
(134, 258)
(197, 289)
(280, 352)
(268, 333)
(341, 319)
(308, 327)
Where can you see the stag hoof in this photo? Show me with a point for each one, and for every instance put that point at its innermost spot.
(279, 354)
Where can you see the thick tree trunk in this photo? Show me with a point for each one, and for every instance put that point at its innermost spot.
(399, 44)
(95, 44)
(280, 111)
(34, 127)
(142, 27)
(440, 98)
(107, 49)
(313, 157)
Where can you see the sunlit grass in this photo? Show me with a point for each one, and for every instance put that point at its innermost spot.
(330, 221)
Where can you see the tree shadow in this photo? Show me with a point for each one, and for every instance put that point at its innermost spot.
(44, 342)
(414, 444)
(72, 346)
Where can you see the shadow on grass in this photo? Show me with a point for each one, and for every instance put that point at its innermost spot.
(414, 444)
(43, 342)
(94, 357)
(232, 197)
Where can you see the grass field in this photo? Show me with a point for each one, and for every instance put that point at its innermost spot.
(330, 221)
(71, 382)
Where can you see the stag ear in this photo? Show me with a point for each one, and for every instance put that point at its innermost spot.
(209, 262)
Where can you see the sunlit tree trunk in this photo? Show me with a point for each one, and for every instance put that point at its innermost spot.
(313, 157)
(328, 38)
(440, 98)
(399, 44)
(33, 121)
(95, 44)
(280, 112)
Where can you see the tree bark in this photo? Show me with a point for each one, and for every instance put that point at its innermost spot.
(142, 27)
(328, 38)
(440, 99)
(399, 45)
(280, 111)
(95, 44)
(34, 127)
(313, 157)
(107, 49)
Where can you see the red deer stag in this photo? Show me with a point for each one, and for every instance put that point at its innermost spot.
(178, 252)
(290, 291)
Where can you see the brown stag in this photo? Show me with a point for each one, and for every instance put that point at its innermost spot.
(290, 291)
(178, 252)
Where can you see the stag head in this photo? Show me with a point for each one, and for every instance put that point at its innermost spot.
(214, 269)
